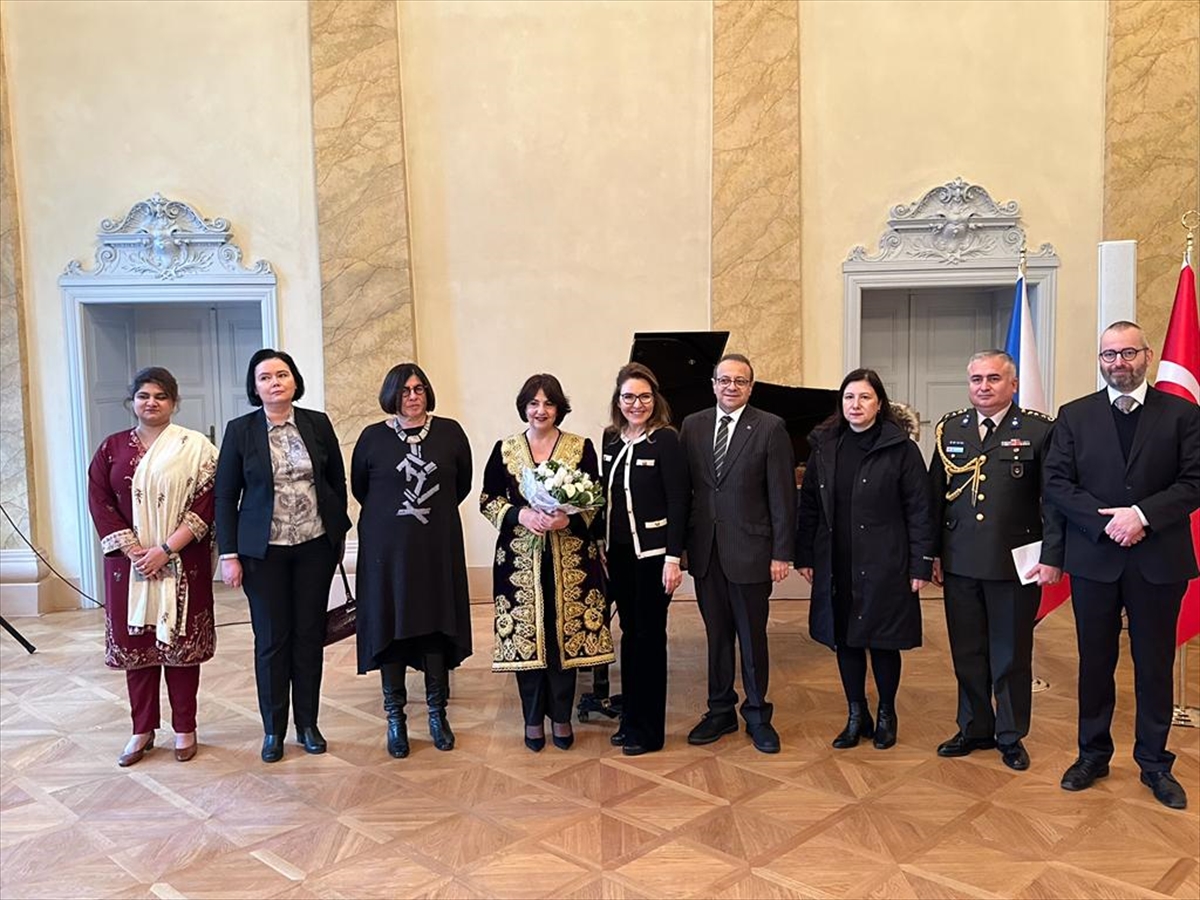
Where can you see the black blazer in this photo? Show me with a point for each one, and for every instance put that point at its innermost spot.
(656, 490)
(245, 488)
(1086, 472)
(751, 509)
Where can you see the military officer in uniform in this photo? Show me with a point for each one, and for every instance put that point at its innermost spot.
(987, 491)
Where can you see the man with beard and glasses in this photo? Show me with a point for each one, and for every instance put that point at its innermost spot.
(1124, 467)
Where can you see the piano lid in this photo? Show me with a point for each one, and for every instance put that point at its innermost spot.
(683, 362)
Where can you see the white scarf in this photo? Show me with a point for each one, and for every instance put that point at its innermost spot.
(177, 466)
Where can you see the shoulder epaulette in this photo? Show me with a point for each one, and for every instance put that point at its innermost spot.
(958, 412)
(1034, 414)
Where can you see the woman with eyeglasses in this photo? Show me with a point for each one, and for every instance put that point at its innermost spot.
(410, 473)
(646, 487)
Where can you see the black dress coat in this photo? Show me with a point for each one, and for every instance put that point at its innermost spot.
(245, 489)
(412, 563)
(892, 522)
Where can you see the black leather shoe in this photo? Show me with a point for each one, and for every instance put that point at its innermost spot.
(764, 736)
(536, 744)
(272, 748)
(858, 727)
(1015, 756)
(617, 739)
(961, 745)
(1083, 774)
(631, 748)
(885, 726)
(712, 728)
(312, 739)
(1167, 790)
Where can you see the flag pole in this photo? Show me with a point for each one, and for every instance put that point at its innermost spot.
(1185, 715)
(1039, 684)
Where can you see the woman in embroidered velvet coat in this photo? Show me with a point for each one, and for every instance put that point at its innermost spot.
(548, 591)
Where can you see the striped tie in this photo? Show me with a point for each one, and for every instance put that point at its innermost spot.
(721, 444)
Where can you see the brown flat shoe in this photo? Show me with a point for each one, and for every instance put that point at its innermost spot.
(183, 754)
(128, 759)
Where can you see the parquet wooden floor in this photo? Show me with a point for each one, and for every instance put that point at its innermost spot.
(491, 819)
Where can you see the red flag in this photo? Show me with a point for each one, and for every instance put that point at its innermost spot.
(1053, 596)
(1179, 374)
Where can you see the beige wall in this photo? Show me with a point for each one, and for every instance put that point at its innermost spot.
(110, 102)
(899, 97)
(558, 159)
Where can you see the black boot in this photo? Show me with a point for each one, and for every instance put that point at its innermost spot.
(885, 728)
(437, 683)
(395, 695)
(858, 726)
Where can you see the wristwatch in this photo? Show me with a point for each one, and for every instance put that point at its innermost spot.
(166, 548)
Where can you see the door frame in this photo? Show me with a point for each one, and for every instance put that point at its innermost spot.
(955, 235)
(161, 252)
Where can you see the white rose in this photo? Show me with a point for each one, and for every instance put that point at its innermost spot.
(570, 491)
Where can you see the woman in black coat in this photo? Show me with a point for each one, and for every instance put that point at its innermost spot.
(864, 542)
(281, 525)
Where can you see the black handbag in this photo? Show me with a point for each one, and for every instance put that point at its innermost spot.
(340, 622)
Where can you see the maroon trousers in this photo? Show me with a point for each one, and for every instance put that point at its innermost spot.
(183, 683)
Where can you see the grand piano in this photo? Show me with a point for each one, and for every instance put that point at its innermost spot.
(683, 362)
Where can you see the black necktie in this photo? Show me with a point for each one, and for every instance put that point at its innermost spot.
(722, 443)
(988, 427)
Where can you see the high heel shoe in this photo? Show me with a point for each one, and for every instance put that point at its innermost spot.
(184, 754)
(563, 741)
(536, 744)
(125, 760)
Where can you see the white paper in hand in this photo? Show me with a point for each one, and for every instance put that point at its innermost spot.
(1025, 558)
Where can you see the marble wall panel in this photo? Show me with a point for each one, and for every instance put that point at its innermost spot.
(362, 206)
(15, 469)
(756, 183)
(1152, 142)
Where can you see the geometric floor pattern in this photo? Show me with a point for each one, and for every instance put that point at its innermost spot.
(491, 819)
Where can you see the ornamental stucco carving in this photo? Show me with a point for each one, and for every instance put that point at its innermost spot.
(166, 240)
(952, 224)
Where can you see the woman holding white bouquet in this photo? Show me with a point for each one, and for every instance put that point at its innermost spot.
(646, 486)
(541, 491)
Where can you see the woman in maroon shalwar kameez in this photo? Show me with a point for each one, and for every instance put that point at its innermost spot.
(150, 492)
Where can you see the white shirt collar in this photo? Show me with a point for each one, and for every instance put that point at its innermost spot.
(1138, 393)
(996, 419)
(735, 416)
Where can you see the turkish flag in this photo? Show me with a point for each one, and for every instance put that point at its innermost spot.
(1179, 374)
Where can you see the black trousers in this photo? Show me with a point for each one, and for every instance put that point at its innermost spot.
(549, 691)
(289, 593)
(990, 624)
(1153, 610)
(730, 609)
(642, 607)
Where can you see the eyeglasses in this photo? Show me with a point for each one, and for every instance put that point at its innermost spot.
(1129, 354)
(635, 399)
(417, 390)
(725, 381)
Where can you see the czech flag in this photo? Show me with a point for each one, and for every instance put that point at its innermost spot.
(1022, 347)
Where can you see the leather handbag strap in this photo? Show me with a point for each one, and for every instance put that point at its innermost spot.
(346, 584)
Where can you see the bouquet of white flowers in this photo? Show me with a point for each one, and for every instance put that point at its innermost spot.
(552, 486)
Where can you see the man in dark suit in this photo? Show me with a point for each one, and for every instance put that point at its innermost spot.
(740, 537)
(1124, 466)
(986, 475)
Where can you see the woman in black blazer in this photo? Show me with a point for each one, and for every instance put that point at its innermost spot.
(646, 487)
(281, 523)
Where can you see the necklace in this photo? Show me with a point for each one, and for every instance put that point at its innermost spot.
(412, 438)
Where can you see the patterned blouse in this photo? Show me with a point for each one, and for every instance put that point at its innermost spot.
(295, 518)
